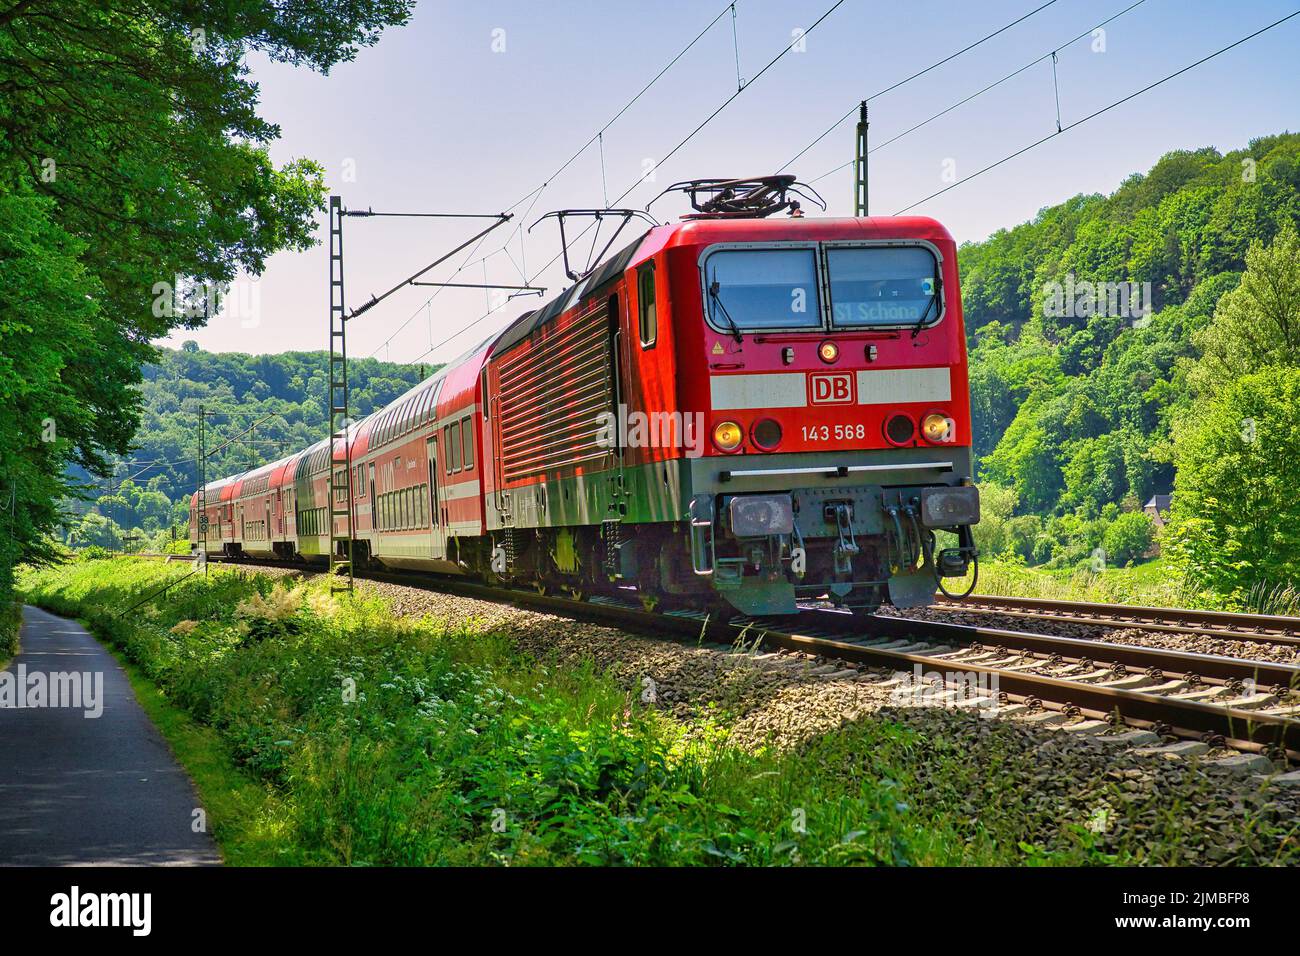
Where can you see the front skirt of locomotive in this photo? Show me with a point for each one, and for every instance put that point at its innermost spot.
(858, 529)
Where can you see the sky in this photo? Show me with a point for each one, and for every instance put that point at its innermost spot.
(471, 108)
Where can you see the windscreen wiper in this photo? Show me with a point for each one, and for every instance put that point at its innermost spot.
(735, 329)
(925, 314)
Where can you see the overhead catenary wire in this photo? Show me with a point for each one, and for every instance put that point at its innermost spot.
(917, 75)
(1104, 109)
(980, 92)
(478, 321)
(162, 462)
(630, 103)
(730, 99)
(467, 263)
(735, 45)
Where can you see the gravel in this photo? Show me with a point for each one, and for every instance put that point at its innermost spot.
(1195, 643)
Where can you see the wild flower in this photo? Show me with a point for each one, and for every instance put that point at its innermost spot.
(281, 604)
(322, 604)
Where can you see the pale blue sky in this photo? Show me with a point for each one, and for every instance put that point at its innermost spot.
(433, 120)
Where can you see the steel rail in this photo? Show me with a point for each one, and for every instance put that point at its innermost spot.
(1257, 628)
(1171, 663)
(1185, 718)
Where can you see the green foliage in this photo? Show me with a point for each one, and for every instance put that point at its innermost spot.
(10, 621)
(236, 390)
(384, 740)
(131, 154)
(992, 534)
(96, 530)
(48, 344)
(401, 742)
(1128, 538)
(1235, 520)
(1257, 324)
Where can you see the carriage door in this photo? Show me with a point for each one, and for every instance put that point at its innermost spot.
(437, 528)
(374, 507)
(279, 512)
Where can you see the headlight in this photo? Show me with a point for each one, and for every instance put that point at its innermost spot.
(756, 516)
(828, 351)
(767, 433)
(937, 428)
(946, 507)
(727, 435)
(899, 429)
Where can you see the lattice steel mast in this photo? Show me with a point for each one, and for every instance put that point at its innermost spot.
(340, 545)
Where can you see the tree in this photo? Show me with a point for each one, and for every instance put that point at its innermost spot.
(997, 504)
(1257, 324)
(1075, 409)
(1235, 517)
(131, 157)
(95, 530)
(1128, 538)
(1094, 472)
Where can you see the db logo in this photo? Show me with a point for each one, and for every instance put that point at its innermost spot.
(831, 388)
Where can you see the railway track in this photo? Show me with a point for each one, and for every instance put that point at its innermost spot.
(1259, 628)
(1070, 682)
(1081, 686)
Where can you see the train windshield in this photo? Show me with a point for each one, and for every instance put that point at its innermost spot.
(763, 289)
(882, 285)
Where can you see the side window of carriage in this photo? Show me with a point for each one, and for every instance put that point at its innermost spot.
(647, 318)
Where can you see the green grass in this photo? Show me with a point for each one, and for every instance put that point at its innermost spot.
(1152, 583)
(338, 734)
(11, 619)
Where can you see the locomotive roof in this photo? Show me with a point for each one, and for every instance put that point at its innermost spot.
(606, 272)
(313, 459)
(717, 230)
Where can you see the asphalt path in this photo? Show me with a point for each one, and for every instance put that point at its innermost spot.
(78, 790)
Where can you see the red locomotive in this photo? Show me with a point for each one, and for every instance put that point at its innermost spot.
(732, 407)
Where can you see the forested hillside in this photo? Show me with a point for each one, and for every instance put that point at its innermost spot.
(1091, 397)
(147, 494)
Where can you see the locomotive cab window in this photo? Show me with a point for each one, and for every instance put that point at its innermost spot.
(762, 289)
(883, 286)
(647, 318)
